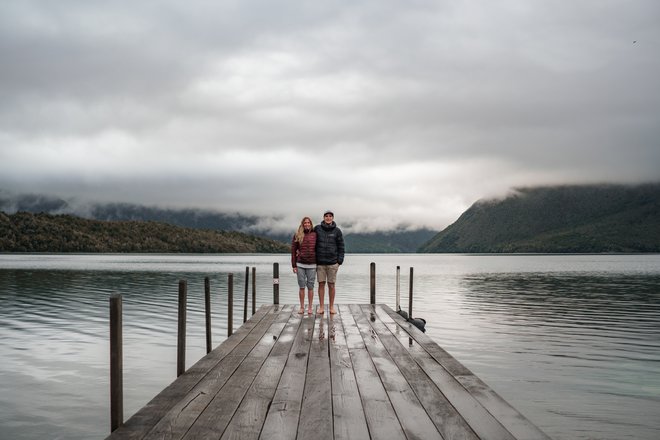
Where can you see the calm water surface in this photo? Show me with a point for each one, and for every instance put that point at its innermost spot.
(573, 342)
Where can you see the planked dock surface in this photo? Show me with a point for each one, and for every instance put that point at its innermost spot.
(362, 373)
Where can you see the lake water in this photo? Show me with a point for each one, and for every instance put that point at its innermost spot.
(571, 341)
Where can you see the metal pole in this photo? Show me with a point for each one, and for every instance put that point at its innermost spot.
(116, 363)
(181, 340)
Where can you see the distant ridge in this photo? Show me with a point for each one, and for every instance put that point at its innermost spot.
(27, 232)
(560, 219)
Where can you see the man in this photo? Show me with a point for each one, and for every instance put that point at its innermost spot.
(329, 256)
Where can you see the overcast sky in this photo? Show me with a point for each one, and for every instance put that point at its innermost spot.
(388, 112)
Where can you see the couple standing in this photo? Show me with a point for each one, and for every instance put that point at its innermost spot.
(317, 251)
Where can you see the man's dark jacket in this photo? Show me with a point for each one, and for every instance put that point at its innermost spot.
(329, 244)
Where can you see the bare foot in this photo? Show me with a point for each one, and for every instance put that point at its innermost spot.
(320, 310)
(332, 310)
(309, 310)
(301, 310)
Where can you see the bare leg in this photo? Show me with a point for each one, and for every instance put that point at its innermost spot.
(331, 294)
(321, 296)
(310, 295)
(301, 294)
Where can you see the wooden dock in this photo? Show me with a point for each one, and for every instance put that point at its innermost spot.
(359, 374)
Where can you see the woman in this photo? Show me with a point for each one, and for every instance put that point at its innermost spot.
(303, 260)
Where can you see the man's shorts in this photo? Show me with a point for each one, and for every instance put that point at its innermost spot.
(327, 273)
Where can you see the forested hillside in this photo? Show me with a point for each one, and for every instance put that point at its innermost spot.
(357, 242)
(595, 218)
(27, 232)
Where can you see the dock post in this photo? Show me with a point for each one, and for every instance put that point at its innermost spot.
(254, 289)
(245, 302)
(181, 340)
(207, 309)
(410, 295)
(276, 283)
(398, 288)
(230, 304)
(372, 279)
(116, 363)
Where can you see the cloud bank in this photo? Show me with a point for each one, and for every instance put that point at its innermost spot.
(388, 113)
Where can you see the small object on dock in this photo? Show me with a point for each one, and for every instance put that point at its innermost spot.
(420, 323)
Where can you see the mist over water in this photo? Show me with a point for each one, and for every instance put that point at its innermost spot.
(573, 342)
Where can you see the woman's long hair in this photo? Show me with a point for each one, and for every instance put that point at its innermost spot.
(300, 234)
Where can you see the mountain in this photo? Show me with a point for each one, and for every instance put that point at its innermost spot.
(27, 232)
(377, 242)
(572, 219)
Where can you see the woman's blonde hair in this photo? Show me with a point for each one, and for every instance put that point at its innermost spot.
(300, 234)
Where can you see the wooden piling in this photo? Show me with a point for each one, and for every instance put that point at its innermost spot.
(116, 363)
(245, 301)
(276, 283)
(181, 340)
(254, 290)
(372, 283)
(207, 310)
(230, 304)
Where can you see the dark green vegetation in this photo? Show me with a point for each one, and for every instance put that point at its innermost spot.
(580, 219)
(26, 232)
(379, 242)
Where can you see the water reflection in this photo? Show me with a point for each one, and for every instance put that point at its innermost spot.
(321, 327)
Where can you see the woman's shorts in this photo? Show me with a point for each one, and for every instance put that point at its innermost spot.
(306, 277)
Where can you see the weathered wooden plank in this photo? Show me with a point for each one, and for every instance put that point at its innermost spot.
(215, 417)
(284, 413)
(349, 419)
(414, 419)
(141, 422)
(316, 412)
(445, 417)
(381, 418)
(475, 414)
(250, 416)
